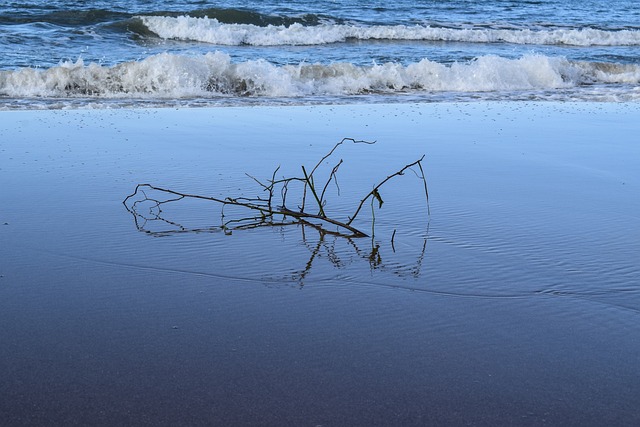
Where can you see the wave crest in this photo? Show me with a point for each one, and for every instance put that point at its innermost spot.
(214, 74)
(204, 29)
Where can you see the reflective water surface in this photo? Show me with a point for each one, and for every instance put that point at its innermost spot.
(516, 301)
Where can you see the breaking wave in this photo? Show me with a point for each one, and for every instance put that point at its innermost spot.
(211, 30)
(214, 74)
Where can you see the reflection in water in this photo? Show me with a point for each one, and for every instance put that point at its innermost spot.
(330, 247)
(162, 214)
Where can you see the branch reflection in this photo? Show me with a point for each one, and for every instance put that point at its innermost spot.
(155, 215)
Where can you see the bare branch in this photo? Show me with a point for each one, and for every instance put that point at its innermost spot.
(264, 206)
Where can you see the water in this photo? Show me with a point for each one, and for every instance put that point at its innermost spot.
(516, 303)
(142, 53)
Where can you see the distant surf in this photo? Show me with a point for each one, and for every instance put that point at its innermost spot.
(99, 54)
(213, 31)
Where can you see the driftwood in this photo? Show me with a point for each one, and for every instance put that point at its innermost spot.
(272, 209)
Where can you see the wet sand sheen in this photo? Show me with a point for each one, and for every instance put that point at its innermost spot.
(503, 307)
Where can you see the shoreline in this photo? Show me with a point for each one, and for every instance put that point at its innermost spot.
(446, 98)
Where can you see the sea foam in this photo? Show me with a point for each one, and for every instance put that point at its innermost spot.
(215, 74)
(212, 31)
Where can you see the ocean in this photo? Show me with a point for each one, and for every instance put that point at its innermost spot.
(110, 54)
(511, 297)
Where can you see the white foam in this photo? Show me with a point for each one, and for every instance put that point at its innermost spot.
(214, 74)
(212, 31)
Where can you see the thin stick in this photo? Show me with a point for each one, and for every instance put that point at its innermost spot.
(313, 191)
(424, 180)
(332, 176)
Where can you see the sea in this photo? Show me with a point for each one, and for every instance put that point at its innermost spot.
(507, 296)
(101, 54)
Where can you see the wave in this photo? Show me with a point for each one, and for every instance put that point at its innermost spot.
(214, 74)
(251, 17)
(66, 18)
(211, 30)
(86, 17)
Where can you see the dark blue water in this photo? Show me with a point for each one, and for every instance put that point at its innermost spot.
(234, 52)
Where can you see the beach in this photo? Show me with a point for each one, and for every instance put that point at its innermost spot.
(514, 300)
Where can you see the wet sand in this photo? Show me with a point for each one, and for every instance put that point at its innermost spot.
(516, 302)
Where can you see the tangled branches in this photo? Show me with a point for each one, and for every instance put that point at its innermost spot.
(273, 207)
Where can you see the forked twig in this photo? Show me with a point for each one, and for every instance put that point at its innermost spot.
(375, 193)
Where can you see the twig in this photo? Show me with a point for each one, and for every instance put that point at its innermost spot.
(332, 176)
(376, 194)
(312, 187)
(265, 205)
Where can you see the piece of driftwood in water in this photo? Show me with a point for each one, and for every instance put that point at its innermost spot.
(269, 213)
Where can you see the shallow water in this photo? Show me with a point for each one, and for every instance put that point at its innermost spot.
(515, 302)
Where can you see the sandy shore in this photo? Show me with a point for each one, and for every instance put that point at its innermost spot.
(502, 307)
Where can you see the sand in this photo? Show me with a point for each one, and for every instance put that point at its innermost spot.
(515, 302)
